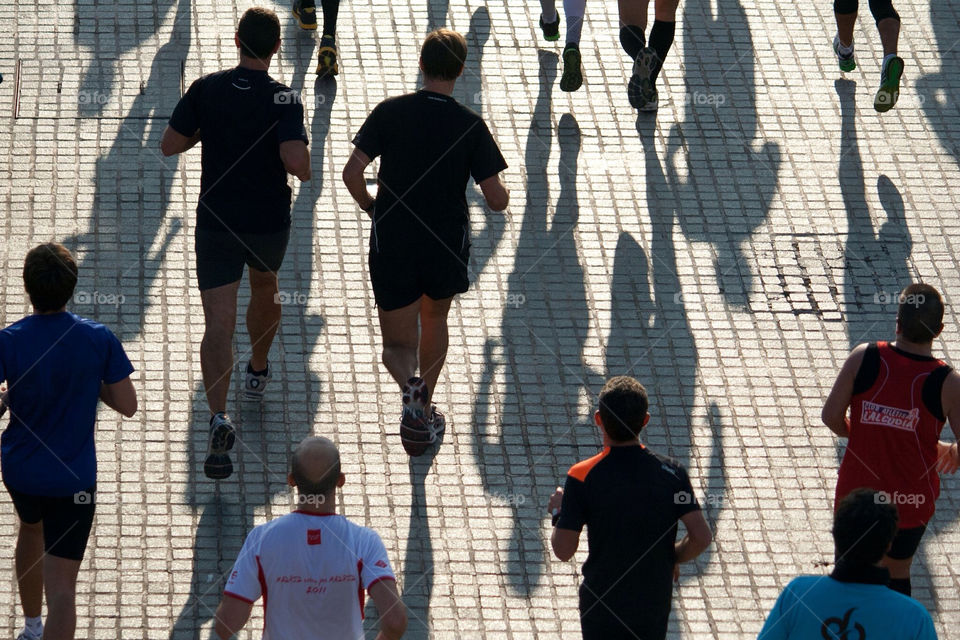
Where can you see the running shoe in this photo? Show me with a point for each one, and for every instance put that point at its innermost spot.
(26, 636)
(222, 437)
(414, 422)
(640, 89)
(572, 78)
(437, 424)
(327, 54)
(305, 11)
(846, 60)
(256, 383)
(551, 30)
(652, 104)
(889, 90)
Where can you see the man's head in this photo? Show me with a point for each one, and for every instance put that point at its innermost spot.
(623, 409)
(863, 527)
(443, 54)
(50, 276)
(920, 314)
(315, 471)
(258, 34)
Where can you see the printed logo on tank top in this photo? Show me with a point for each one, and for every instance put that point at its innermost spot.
(884, 416)
(314, 536)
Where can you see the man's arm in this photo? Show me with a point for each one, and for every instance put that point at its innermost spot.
(353, 178)
(948, 458)
(697, 539)
(174, 142)
(120, 396)
(296, 158)
(231, 615)
(564, 541)
(834, 413)
(495, 192)
(393, 613)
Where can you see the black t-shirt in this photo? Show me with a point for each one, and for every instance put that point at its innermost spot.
(630, 500)
(430, 146)
(243, 115)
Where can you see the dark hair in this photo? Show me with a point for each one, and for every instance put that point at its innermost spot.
(623, 408)
(258, 32)
(50, 276)
(920, 313)
(443, 54)
(307, 486)
(863, 527)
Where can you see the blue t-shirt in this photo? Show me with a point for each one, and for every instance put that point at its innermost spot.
(816, 607)
(53, 365)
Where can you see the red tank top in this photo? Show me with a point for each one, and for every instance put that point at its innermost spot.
(893, 433)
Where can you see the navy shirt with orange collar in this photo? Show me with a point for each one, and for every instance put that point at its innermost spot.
(630, 500)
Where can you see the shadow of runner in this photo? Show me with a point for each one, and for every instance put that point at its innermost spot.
(132, 196)
(416, 585)
(938, 90)
(875, 262)
(729, 184)
(544, 326)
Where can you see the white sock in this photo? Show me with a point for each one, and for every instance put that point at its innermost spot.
(845, 49)
(574, 10)
(34, 626)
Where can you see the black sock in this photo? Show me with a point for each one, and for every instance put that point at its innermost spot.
(258, 373)
(632, 40)
(331, 8)
(901, 585)
(661, 38)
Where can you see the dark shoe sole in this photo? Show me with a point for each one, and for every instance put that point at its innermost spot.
(218, 466)
(889, 93)
(642, 70)
(554, 28)
(572, 78)
(306, 26)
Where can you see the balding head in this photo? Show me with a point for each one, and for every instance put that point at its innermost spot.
(315, 466)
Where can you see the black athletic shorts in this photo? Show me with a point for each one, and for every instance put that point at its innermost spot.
(67, 520)
(221, 255)
(401, 277)
(906, 543)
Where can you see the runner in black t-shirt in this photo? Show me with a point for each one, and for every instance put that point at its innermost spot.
(630, 500)
(252, 131)
(429, 147)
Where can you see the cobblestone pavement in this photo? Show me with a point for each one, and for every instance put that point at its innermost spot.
(727, 252)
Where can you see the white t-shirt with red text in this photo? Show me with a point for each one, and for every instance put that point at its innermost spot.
(312, 572)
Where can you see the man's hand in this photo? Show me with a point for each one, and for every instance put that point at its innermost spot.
(676, 573)
(553, 504)
(3, 398)
(948, 458)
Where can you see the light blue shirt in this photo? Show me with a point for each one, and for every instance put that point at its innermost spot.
(823, 608)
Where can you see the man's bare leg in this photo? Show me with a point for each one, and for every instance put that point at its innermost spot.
(434, 339)
(60, 583)
(216, 350)
(28, 562)
(401, 334)
(263, 316)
